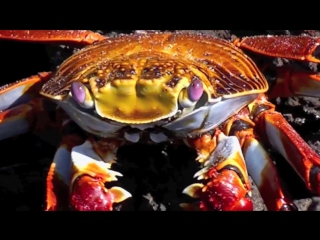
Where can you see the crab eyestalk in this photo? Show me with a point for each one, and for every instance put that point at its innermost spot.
(81, 94)
(189, 96)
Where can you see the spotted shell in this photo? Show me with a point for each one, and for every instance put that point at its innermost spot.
(138, 78)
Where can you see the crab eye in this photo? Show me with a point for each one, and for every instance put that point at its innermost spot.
(195, 90)
(190, 96)
(78, 92)
(81, 95)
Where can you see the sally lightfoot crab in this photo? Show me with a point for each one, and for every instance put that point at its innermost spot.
(156, 87)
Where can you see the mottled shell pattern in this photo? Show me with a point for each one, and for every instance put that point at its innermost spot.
(138, 78)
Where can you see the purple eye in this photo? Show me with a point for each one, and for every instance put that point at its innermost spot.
(195, 90)
(78, 92)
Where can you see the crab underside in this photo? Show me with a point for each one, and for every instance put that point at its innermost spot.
(193, 90)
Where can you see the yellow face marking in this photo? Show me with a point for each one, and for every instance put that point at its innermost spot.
(141, 89)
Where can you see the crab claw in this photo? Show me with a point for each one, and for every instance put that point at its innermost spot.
(224, 193)
(90, 173)
(226, 186)
(78, 174)
(90, 194)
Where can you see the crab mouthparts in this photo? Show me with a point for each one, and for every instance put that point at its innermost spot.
(136, 135)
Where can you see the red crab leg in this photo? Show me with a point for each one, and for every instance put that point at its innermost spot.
(303, 48)
(260, 166)
(78, 37)
(289, 81)
(273, 127)
(225, 186)
(21, 108)
(78, 175)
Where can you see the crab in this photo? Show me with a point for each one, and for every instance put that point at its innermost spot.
(156, 87)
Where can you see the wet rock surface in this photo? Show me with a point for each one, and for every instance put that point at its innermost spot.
(155, 175)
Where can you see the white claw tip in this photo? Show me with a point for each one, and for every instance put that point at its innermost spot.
(119, 194)
(193, 190)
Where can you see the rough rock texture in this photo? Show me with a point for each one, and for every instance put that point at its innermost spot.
(155, 175)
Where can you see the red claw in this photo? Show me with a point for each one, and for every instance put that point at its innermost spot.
(225, 193)
(89, 194)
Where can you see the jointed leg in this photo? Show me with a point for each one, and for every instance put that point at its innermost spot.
(260, 166)
(273, 129)
(22, 110)
(276, 131)
(289, 81)
(300, 48)
(74, 37)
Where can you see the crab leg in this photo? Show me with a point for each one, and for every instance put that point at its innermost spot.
(78, 173)
(282, 137)
(79, 37)
(21, 109)
(260, 166)
(302, 48)
(289, 82)
(225, 186)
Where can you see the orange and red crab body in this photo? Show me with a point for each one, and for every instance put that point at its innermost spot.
(166, 86)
